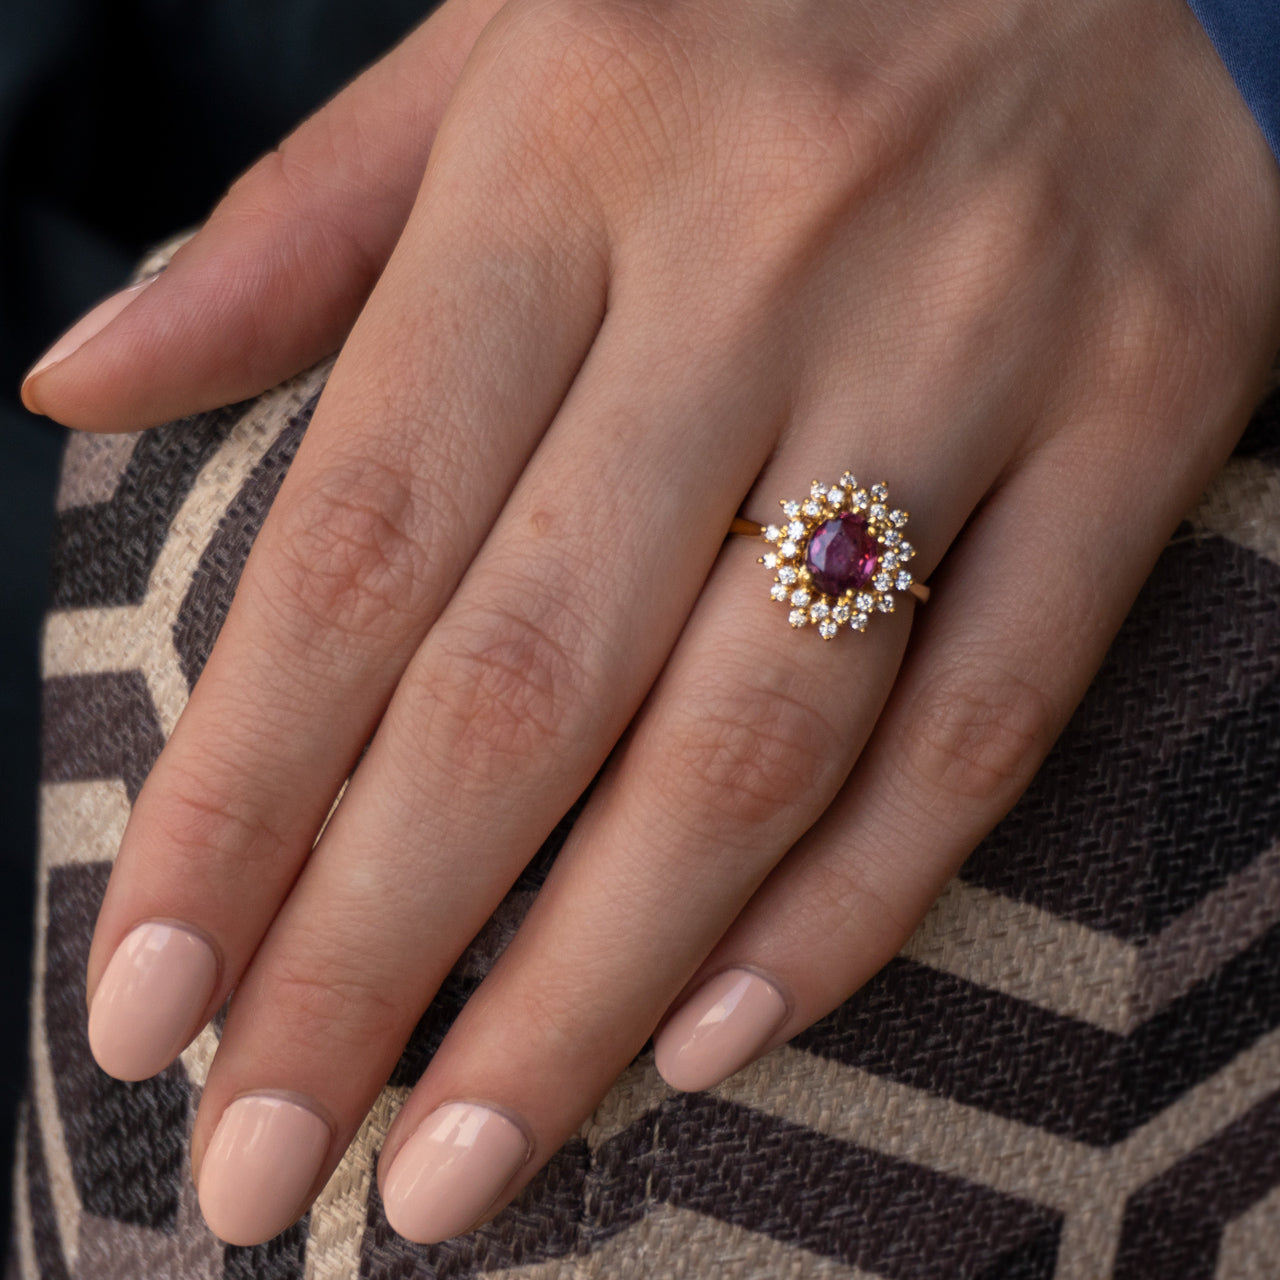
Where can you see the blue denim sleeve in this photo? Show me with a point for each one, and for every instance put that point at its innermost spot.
(1246, 34)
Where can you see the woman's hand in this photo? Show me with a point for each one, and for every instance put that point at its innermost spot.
(667, 261)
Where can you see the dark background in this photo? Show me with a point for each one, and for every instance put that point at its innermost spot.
(121, 122)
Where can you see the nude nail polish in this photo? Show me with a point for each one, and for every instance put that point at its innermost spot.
(450, 1170)
(723, 1026)
(93, 322)
(151, 1000)
(260, 1165)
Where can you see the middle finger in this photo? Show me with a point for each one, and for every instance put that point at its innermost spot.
(512, 703)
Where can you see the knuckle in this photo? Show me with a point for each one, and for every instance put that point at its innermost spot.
(285, 198)
(311, 1004)
(584, 47)
(504, 689)
(261, 192)
(833, 140)
(736, 760)
(997, 239)
(210, 828)
(822, 136)
(863, 893)
(280, 179)
(613, 81)
(549, 48)
(1161, 334)
(347, 551)
(315, 176)
(1138, 337)
(562, 1019)
(978, 734)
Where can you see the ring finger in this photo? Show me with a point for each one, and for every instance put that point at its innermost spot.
(745, 740)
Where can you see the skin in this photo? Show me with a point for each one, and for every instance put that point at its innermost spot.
(604, 273)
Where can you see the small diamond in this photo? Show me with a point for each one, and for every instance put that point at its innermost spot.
(858, 622)
(903, 581)
(797, 617)
(860, 500)
(778, 591)
(811, 508)
(887, 561)
(827, 629)
(879, 491)
(835, 496)
(899, 518)
(848, 481)
(816, 488)
(772, 533)
(800, 597)
(879, 513)
(795, 529)
(787, 550)
(786, 574)
(841, 612)
(882, 582)
(906, 550)
(885, 604)
(819, 611)
(791, 510)
(863, 602)
(891, 537)
(769, 560)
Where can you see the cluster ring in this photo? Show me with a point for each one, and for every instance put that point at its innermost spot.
(838, 557)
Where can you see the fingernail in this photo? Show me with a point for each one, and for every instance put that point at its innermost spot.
(718, 1030)
(80, 333)
(450, 1170)
(261, 1163)
(151, 1000)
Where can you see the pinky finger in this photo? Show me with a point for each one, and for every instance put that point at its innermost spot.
(992, 675)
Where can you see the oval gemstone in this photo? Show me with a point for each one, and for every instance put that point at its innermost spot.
(841, 555)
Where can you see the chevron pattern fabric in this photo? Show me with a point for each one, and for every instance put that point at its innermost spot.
(1072, 1071)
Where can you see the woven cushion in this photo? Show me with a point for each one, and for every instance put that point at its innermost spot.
(1072, 1070)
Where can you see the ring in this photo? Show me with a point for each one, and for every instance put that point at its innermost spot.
(840, 556)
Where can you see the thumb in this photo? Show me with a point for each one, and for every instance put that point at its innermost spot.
(274, 279)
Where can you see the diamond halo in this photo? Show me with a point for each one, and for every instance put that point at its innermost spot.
(840, 556)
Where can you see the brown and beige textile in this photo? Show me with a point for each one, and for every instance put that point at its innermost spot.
(1072, 1072)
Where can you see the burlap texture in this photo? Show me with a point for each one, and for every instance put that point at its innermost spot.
(1072, 1071)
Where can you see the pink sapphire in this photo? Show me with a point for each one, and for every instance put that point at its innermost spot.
(841, 554)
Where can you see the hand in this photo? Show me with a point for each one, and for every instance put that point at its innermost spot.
(664, 263)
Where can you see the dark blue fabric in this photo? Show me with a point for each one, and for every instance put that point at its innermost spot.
(1246, 34)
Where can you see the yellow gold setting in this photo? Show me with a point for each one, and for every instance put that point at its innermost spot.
(884, 552)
